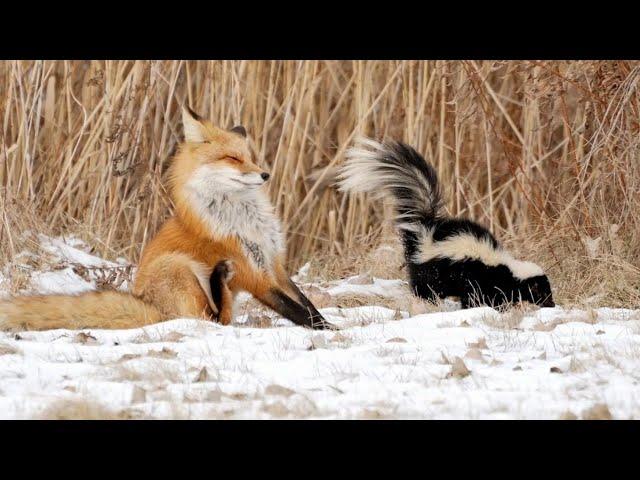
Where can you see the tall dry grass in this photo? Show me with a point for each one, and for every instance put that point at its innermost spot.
(545, 153)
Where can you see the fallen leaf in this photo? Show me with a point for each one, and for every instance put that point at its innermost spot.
(555, 370)
(517, 368)
(278, 390)
(164, 353)
(139, 395)
(568, 415)
(203, 375)
(369, 414)
(214, 396)
(6, 349)
(397, 340)
(277, 409)
(338, 337)
(474, 354)
(142, 338)
(576, 366)
(128, 356)
(173, 337)
(85, 339)
(192, 397)
(238, 396)
(318, 297)
(547, 327)
(481, 344)
(600, 332)
(599, 411)
(459, 369)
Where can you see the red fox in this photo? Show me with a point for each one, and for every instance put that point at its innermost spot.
(225, 237)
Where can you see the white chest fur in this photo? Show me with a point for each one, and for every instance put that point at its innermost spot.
(249, 217)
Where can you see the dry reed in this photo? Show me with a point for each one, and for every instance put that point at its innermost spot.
(545, 153)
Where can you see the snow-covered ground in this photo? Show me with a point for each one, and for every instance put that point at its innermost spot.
(383, 363)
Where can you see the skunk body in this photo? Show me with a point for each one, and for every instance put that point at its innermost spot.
(445, 256)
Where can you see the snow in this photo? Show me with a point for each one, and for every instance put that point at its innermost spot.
(64, 281)
(64, 254)
(72, 250)
(382, 363)
(380, 287)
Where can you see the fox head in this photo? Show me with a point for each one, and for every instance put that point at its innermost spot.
(213, 161)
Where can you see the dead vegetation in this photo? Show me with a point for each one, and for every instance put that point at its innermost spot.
(544, 153)
(83, 409)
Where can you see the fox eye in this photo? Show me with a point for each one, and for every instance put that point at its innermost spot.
(234, 159)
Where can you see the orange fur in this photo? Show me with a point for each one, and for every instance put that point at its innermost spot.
(173, 275)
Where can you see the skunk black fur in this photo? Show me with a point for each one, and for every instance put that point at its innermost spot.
(445, 256)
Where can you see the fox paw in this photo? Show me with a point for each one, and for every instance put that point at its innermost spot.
(225, 270)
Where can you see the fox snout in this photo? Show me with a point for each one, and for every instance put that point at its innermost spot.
(255, 178)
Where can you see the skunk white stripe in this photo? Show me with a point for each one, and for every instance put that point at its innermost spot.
(463, 246)
(366, 171)
(522, 270)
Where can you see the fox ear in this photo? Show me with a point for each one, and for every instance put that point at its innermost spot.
(192, 125)
(240, 130)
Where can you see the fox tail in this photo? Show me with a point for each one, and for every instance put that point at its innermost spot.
(106, 309)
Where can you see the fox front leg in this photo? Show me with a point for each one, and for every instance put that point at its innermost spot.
(290, 289)
(271, 291)
(299, 314)
(303, 299)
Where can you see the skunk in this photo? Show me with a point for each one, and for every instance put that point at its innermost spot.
(445, 256)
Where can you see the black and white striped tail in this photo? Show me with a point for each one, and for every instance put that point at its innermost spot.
(393, 169)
